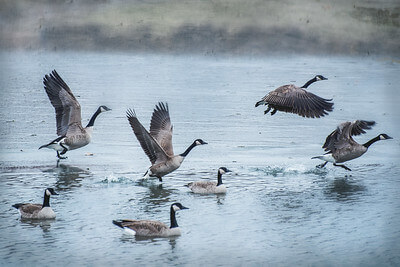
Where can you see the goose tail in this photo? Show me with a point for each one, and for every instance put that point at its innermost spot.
(259, 103)
(118, 223)
(18, 205)
(147, 174)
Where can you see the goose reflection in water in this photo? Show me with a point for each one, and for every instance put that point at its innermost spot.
(45, 225)
(156, 196)
(344, 189)
(68, 177)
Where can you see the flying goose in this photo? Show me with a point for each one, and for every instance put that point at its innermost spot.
(68, 116)
(152, 228)
(158, 143)
(341, 147)
(208, 187)
(37, 211)
(294, 99)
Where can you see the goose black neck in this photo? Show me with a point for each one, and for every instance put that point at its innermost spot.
(173, 218)
(219, 178)
(91, 122)
(370, 142)
(46, 200)
(309, 82)
(184, 154)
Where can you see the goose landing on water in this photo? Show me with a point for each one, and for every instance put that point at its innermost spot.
(293, 99)
(68, 116)
(37, 211)
(158, 143)
(208, 187)
(152, 228)
(341, 147)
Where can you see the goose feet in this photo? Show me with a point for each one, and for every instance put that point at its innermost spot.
(267, 110)
(59, 156)
(321, 165)
(344, 167)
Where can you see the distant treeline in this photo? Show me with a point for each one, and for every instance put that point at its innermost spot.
(206, 27)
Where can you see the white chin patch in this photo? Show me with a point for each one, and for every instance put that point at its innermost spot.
(48, 193)
(382, 137)
(102, 109)
(176, 208)
(198, 143)
(221, 171)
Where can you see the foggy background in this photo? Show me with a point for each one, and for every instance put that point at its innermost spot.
(206, 27)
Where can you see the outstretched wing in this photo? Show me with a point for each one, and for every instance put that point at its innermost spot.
(293, 99)
(68, 110)
(342, 136)
(150, 146)
(161, 127)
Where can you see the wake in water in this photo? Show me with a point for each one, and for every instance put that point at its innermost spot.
(277, 171)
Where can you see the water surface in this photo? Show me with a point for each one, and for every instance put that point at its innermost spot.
(279, 209)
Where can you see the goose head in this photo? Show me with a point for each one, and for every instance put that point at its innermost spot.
(223, 170)
(103, 109)
(50, 191)
(198, 142)
(320, 78)
(178, 206)
(384, 137)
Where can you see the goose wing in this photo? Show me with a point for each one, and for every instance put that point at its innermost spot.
(293, 99)
(161, 127)
(30, 208)
(342, 136)
(68, 110)
(144, 227)
(150, 146)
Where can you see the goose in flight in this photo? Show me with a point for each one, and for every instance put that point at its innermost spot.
(37, 211)
(158, 143)
(210, 187)
(147, 228)
(71, 134)
(341, 147)
(293, 99)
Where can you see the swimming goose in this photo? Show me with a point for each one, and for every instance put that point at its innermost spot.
(68, 116)
(152, 228)
(341, 147)
(158, 143)
(208, 187)
(37, 211)
(293, 99)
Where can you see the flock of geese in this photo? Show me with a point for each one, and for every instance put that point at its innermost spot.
(157, 143)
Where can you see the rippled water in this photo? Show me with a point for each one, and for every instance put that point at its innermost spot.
(279, 209)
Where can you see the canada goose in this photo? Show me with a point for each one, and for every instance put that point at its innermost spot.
(158, 143)
(37, 211)
(68, 115)
(340, 145)
(208, 187)
(293, 99)
(152, 228)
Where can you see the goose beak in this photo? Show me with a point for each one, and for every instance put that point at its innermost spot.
(184, 208)
(228, 170)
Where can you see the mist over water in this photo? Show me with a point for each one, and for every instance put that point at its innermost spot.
(279, 209)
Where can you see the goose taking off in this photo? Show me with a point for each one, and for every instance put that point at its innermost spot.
(152, 228)
(208, 187)
(68, 116)
(158, 143)
(37, 211)
(293, 99)
(341, 147)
